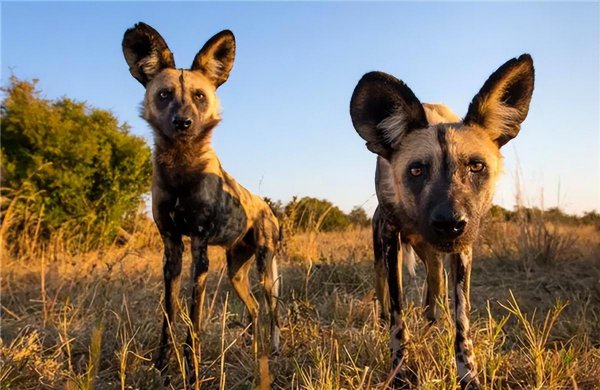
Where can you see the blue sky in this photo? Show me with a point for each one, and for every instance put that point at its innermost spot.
(286, 129)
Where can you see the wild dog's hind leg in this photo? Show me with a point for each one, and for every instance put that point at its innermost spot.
(269, 276)
(267, 238)
(173, 250)
(463, 345)
(238, 265)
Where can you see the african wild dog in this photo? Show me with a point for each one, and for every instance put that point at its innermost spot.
(434, 180)
(191, 193)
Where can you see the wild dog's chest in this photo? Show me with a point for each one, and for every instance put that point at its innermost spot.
(199, 205)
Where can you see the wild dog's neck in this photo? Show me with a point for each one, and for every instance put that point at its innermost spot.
(184, 153)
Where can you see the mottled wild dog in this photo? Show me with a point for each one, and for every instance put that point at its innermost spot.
(191, 193)
(434, 180)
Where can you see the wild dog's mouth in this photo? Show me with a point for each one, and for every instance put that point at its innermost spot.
(186, 135)
(196, 132)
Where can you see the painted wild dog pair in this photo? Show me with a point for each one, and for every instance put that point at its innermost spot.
(434, 180)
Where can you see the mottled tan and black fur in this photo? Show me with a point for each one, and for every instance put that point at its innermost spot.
(191, 193)
(435, 179)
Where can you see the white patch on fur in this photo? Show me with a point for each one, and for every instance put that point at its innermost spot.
(150, 64)
(276, 277)
(393, 128)
(409, 258)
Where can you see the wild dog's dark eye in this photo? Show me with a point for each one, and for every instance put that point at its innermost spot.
(476, 166)
(199, 95)
(164, 94)
(416, 170)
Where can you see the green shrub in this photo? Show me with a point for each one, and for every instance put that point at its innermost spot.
(73, 166)
(320, 214)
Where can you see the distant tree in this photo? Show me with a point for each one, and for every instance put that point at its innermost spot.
(556, 215)
(358, 217)
(310, 213)
(86, 170)
(591, 218)
(499, 213)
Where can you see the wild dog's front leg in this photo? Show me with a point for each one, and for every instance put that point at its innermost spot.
(171, 272)
(381, 273)
(435, 282)
(398, 335)
(463, 345)
(199, 274)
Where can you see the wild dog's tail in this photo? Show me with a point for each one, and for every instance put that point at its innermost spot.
(280, 245)
(281, 233)
(409, 258)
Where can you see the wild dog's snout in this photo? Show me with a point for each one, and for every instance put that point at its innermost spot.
(448, 223)
(181, 122)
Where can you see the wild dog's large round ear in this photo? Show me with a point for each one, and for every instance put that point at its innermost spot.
(502, 103)
(216, 57)
(383, 109)
(146, 52)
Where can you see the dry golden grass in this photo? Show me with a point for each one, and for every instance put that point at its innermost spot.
(92, 320)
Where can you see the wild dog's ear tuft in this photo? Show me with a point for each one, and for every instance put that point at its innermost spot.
(502, 103)
(215, 59)
(383, 109)
(146, 52)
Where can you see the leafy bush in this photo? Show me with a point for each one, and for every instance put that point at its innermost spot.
(358, 217)
(72, 166)
(318, 214)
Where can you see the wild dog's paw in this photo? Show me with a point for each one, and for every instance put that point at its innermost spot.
(471, 384)
(402, 378)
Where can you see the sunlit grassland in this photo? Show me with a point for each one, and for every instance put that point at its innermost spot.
(92, 320)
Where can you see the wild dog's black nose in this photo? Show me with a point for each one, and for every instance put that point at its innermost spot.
(181, 123)
(449, 225)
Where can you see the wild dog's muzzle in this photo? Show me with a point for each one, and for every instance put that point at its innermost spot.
(449, 228)
(447, 223)
(181, 123)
